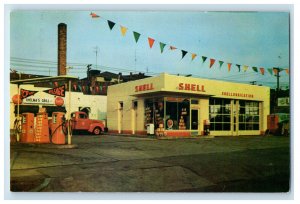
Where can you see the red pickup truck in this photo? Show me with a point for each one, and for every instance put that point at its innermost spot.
(81, 122)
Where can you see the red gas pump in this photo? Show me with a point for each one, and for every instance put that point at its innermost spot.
(58, 128)
(27, 135)
(42, 128)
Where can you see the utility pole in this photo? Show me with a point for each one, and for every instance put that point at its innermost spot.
(277, 76)
(96, 51)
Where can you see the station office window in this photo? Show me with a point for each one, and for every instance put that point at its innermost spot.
(248, 115)
(154, 111)
(175, 116)
(219, 114)
(177, 113)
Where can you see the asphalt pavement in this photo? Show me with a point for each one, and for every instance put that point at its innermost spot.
(110, 163)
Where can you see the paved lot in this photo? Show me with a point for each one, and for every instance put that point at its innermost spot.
(109, 163)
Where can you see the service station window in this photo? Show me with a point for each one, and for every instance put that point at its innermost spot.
(148, 112)
(158, 112)
(154, 111)
(248, 115)
(121, 105)
(219, 114)
(177, 113)
(175, 116)
(134, 104)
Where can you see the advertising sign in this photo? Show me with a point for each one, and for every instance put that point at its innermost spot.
(283, 101)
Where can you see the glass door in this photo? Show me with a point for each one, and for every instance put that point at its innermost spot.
(194, 119)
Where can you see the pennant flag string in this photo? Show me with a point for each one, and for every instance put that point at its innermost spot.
(136, 36)
(193, 56)
(93, 15)
(75, 87)
(151, 42)
(270, 70)
(183, 53)
(229, 66)
(275, 70)
(172, 48)
(262, 70)
(212, 61)
(123, 30)
(221, 63)
(245, 68)
(162, 46)
(111, 24)
(239, 67)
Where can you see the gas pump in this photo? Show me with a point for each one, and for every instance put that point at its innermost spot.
(206, 127)
(58, 128)
(27, 135)
(42, 128)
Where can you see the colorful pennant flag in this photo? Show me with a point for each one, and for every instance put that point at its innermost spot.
(239, 67)
(93, 15)
(255, 69)
(193, 56)
(212, 61)
(58, 91)
(221, 63)
(162, 46)
(262, 70)
(123, 30)
(26, 93)
(151, 42)
(136, 36)
(245, 68)
(79, 87)
(75, 87)
(172, 48)
(111, 24)
(203, 59)
(229, 66)
(270, 70)
(183, 53)
(275, 70)
(287, 71)
(97, 88)
(83, 88)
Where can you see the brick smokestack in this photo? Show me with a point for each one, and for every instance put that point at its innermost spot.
(62, 49)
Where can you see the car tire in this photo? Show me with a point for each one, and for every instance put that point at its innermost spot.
(97, 131)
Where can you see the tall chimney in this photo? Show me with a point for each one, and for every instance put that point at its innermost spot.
(62, 49)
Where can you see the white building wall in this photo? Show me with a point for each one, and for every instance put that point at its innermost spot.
(97, 103)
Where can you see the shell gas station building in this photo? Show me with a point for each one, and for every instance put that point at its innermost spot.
(178, 106)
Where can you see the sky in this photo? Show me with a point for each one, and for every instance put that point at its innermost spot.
(259, 39)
